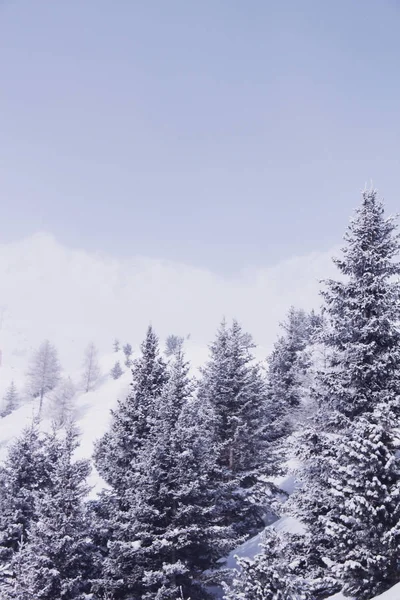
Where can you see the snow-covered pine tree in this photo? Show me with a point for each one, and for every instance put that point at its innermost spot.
(274, 574)
(10, 401)
(174, 526)
(56, 560)
(204, 539)
(44, 372)
(248, 425)
(289, 361)
(118, 458)
(91, 368)
(364, 521)
(62, 410)
(316, 323)
(116, 452)
(128, 351)
(26, 471)
(232, 383)
(362, 310)
(116, 371)
(362, 372)
(116, 345)
(316, 445)
(173, 344)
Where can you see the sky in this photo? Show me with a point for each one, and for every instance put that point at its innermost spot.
(224, 135)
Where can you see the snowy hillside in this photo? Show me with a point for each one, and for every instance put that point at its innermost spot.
(92, 409)
(92, 412)
(17, 345)
(191, 466)
(392, 594)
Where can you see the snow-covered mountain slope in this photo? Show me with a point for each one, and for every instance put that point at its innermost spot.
(93, 415)
(92, 411)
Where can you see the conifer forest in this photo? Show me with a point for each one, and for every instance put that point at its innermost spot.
(244, 479)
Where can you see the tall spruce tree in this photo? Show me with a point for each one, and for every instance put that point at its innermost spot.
(11, 401)
(91, 367)
(316, 446)
(128, 351)
(289, 361)
(116, 371)
(173, 344)
(175, 531)
(26, 472)
(62, 409)
(55, 561)
(364, 521)
(118, 458)
(44, 372)
(234, 386)
(363, 312)
(361, 376)
(118, 449)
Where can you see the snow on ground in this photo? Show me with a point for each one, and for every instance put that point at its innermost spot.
(286, 523)
(247, 550)
(92, 409)
(252, 547)
(12, 425)
(289, 525)
(93, 417)
(288, 482)
(92, 413)
(392, 594)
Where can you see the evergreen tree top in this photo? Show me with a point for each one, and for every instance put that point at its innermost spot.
(10, 401)
(371, 240)
(149, 371)
(363, 312)
(132, 420)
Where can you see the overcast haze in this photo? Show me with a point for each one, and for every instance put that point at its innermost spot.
(72, 296)
(185, 160)
(225, 135)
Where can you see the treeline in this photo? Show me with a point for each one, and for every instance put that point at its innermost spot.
(185, 462)
(190, 463)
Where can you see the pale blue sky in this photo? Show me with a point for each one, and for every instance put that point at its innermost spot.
(221, 133)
